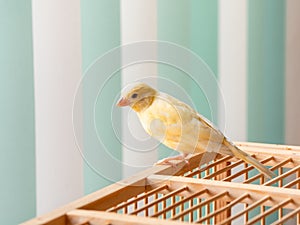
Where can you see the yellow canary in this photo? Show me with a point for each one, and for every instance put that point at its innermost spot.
(181, 128)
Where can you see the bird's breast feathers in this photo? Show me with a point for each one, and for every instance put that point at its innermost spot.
(166, 110)
(172, 122)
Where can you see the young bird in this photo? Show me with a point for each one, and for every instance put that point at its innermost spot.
(178, 126)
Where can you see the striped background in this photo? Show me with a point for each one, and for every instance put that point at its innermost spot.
(252, 46)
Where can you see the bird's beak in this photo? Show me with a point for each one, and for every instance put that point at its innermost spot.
(123, 102)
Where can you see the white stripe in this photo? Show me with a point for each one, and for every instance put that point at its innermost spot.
(57, 71)
(233, 72)
(138, 23)
(292, 113)
(232, 67)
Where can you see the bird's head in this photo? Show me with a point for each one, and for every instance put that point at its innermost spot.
(138, 97)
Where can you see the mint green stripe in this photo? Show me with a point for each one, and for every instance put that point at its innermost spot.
(17, 148)
(172, 26)
(100, 33)
(204, 31)
(173, 21)
(193, 25)
(204, 42)
(266, 36)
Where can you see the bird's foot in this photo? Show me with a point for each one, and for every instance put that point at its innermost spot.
(172, 160)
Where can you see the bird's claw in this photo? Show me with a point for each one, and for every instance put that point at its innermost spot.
(168, 161)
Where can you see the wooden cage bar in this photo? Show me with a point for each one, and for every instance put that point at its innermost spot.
(189, 194)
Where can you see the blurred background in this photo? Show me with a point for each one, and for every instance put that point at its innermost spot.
(251, 46)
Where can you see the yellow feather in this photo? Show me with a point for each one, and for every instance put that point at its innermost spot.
(181, 128)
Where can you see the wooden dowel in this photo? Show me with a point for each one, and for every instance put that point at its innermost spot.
(181, 207)
(191, 219)
(245, 170)
(208, 211)
(262, 210)
(147, 210)
(175, 192)
(269, 211)
(200, 209)
(235, 201)
(262, 180)
(219, 161)
(246, 174)
(287, 217)
(280, 172)
(272, 169)
(135, 205)
(276, 179)
(207, 201)
(292, 183)
(173, 202)
(246, 214)
(94, 217)
(298, 176)
(155, 206)
(164, 206)
(224, 169)
(146, 194)
(246, 210)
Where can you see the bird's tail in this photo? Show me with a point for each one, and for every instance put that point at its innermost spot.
(247, 158)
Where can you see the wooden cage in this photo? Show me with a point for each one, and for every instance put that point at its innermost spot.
(225, 191)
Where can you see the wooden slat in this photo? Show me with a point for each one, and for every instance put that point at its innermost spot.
(278, 151)
(272, 169)
(135, 200)
(150, 204)
(286, 174)
(104, 198)
(234, 189)
(181, 202)
(247, 169)
(226, 207)
(245, 211)
(268, 148)
(203, 203)
(217, 162)
(191, 217)
(292, 183)
(219, 203)
(139, 184)
(287, 217)
(269, 211)
(231, 166)
(100, 217)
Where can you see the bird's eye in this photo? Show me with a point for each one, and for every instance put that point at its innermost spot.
(134, 95)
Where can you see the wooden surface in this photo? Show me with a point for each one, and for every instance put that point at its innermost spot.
(169, 195)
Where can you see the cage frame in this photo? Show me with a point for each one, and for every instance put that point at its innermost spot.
(179, 186)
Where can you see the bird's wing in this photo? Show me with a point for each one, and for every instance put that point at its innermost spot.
(210, 139)
(183, 129)
(179, 126)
